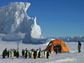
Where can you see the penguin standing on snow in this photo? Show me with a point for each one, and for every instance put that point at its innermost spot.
(17, 53)
(34, 54)
(47, 55)
(4, 53)
(23, 52)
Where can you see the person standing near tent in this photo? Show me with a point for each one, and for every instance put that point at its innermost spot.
(79, 46)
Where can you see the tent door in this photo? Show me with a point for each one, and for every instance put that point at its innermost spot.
(57, 48)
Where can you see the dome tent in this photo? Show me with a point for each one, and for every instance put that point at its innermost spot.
(54, 44)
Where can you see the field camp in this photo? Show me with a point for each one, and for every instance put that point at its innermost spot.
(54, 46)
(43, 53)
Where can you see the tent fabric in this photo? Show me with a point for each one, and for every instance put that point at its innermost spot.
(50, 46)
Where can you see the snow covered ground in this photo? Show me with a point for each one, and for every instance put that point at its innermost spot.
(72, 57)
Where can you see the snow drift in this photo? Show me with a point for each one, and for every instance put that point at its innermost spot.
(14, 19)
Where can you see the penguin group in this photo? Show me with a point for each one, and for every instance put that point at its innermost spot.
(25, 53)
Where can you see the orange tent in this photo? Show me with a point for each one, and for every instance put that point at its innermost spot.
(57, 43)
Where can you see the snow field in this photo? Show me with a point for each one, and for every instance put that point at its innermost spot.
(72, 57)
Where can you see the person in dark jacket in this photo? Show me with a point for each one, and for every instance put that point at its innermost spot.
(79, 46)
(4, 53)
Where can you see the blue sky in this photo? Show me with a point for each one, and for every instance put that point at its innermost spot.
(56, 17)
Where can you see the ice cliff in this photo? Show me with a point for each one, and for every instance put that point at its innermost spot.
(14, 20)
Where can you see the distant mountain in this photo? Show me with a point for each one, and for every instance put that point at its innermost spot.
(73, 39)
(69, 39)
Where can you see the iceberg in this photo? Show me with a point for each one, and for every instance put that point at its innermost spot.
(14, 20)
